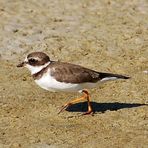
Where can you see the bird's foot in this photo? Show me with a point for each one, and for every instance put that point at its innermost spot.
(89, 112)
(64, 107)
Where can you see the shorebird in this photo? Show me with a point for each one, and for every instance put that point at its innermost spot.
(60, 76)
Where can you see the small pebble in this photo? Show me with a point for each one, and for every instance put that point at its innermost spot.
(145, 71)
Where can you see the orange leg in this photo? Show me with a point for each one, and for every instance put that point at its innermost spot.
(70, 103)
(85, 96)
(89, 104)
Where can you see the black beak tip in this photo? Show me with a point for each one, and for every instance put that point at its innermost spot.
(20, 65)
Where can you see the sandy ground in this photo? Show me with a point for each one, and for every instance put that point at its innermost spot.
(109, 36)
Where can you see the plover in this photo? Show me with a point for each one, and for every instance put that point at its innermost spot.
(60, 76)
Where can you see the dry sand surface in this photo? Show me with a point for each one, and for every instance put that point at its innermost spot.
(105, 35)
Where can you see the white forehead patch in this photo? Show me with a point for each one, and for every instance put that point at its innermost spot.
(26, 60)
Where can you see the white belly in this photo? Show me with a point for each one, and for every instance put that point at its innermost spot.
(49, 83)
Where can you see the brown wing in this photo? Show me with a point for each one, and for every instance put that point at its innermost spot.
(70, 73)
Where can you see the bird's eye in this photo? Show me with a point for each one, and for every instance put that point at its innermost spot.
(32, 60)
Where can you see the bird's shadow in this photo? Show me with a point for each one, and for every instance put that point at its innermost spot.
(102, 107)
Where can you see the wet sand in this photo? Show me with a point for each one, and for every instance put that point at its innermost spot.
(108, 36)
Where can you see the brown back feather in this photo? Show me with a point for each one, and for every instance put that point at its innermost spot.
(69, 73)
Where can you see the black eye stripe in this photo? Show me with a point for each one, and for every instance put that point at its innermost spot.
(32, 60)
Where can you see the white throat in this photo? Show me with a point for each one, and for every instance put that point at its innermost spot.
(35, 69)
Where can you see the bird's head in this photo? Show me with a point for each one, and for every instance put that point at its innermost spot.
(35, 62)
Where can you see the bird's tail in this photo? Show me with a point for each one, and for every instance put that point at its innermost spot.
(110, 76)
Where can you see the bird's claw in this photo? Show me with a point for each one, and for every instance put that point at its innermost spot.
(64, 107)
(88, 113)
